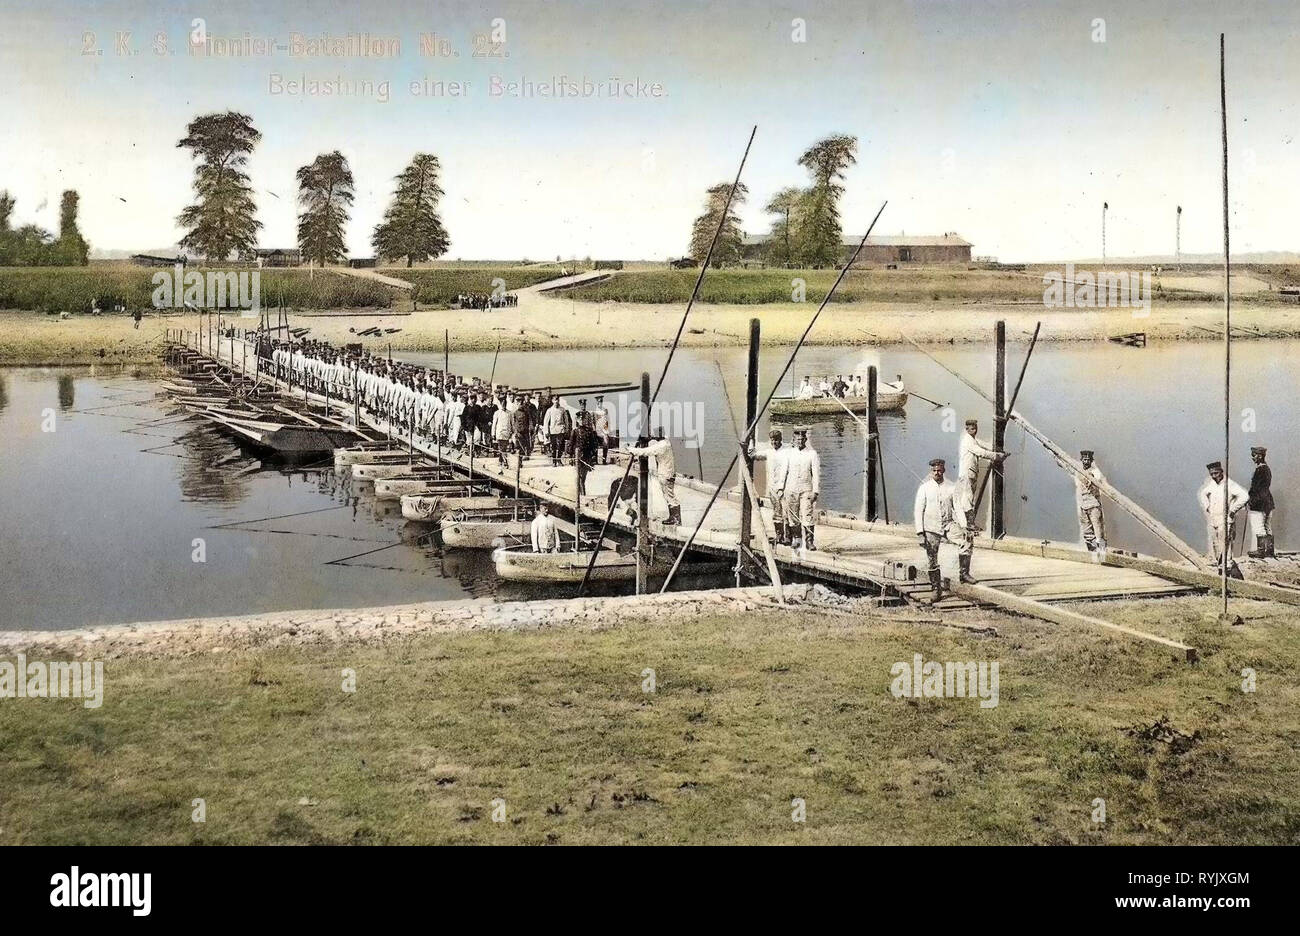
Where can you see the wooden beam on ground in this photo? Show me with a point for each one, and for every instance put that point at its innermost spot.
(1163, 533)
(757, 513)
(1261, 591)
(1037, 609)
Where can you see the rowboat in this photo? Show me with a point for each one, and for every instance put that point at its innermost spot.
(364, 455)
(378, 470)
(486, 528)
(521, 564)
(888, 400)
(430, 508)
(396, 488)
(286, 438)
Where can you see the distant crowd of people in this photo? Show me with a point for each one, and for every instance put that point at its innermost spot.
(485, 301)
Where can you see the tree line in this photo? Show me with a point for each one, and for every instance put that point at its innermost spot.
(32, 245)
(223, 218)
(806, 230)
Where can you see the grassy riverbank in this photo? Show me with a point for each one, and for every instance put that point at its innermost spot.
(547, 324)
(750, 711)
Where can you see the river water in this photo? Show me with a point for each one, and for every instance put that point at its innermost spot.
(101, 516)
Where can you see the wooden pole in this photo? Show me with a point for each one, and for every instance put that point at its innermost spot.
(446, 351)
(1015, 395)
(643, 493)
(869, 476)
(751, 494)
(1227, 333)
(747, 443)
(997, 503)
(1031, 608)
(1161, 532)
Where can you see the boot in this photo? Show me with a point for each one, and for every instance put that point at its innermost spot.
(1268, 546)
(1259, 551)
(675, 516)
(780, 534)
(963, 562)
(809, 539)
(936, 586)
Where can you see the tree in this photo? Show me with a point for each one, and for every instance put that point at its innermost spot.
(6, 209)
(411, 227)
(730, 237)
(221, 221)
(325, 192)
(71, 247)
(820, 235)
(785, 205)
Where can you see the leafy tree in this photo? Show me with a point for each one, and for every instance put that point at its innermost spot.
(221, 221)
(785, 204)
(325, 192)
(730, 237)
(820, 235)
(411, 227)
(71, 247)
(6, 209)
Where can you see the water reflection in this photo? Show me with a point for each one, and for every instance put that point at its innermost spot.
(214, 468)
(4, 394)
(67, 392)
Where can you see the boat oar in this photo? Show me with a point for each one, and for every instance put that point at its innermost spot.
(936, 403)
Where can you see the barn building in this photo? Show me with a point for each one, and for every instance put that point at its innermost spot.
(925, 248)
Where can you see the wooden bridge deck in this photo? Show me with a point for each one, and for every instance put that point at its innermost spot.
(849, 551)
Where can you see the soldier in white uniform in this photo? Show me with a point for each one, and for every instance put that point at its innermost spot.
(776, 471)
(803, 478)
(546, 538)
(933, 516)
(1210, 497)
(1092, 522)
(970, 454)
(806, 390)
(663, 468)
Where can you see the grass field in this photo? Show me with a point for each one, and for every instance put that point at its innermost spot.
(949, 284)
(749, 713)
(72, 289)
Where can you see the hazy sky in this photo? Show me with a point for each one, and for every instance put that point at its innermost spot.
(1005, 122)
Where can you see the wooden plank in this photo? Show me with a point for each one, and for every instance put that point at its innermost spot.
(1038, 609)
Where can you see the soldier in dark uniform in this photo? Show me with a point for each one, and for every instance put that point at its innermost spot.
(585, 445)
(1260, 504)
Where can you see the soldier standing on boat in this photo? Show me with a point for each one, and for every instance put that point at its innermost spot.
(933, 514)
(803, 479)
(971, 453)
(1211, 497)
(776, 472)
(663, 468)
(546, 538)
(1260, 505)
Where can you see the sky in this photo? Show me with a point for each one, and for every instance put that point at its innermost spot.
(1009, 123)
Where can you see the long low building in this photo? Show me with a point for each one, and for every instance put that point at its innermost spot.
(901, 248)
